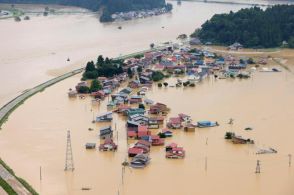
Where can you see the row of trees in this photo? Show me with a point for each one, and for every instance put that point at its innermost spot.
(252, 27)
(103, 67)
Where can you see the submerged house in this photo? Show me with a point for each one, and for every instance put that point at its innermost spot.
(170, 146)
(175, 123)
(189, 128)
(241, 140)
(134, 111)
(143, 131)
(153, 123)
(126, 90)
(132, 134)
(235, 46)
(135, 99)
(105, 117)
(135, 151)
(108, 145)
(81, 84)
(140, 161)
(132, 126)
(72, 93)
(90, 145)
(157, 141)
(158, 108)
(98, 94)
(167, 132)
(184, 117)
(106, 132)
(134, 84)
(175, 152)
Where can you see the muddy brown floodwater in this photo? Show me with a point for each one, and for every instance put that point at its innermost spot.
(35, 136)
(33, 51)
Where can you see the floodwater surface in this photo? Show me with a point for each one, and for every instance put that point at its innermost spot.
(35, 136)
(36, 50)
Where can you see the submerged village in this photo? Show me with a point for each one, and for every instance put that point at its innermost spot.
(147, 122)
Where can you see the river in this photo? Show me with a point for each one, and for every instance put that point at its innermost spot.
(36, 50)
(35, 134)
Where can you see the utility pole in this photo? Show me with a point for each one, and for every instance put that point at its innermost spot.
(290, 159)
(257, 170)
(40, 173)
(69, 164)
(122, 175)
(205, 163)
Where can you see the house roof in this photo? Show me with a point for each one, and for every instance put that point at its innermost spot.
(144, 142)
(132, 134)
(166, 130)
(135, 151)
(172, 145)
(142, 128)
(175, 120)
(155, 137)
(178, 149)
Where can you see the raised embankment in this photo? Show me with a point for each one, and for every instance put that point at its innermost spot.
(8, 180)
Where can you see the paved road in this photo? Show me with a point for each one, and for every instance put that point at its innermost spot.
(5, 110)
(13, 182)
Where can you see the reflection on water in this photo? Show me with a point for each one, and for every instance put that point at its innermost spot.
(35, 136)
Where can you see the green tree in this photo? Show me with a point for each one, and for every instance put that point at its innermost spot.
(291, 42)
(90, 66)
(252, 27)
(140, 69)
(141, 106)
(95, 86)
(130, 73)
(100, 60)
(83, 89)
(90, 75)
(157, 76)
(152, 45)
(250, 61)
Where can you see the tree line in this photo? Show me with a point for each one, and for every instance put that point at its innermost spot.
(252, 27)
(103, 68)
(109, 6)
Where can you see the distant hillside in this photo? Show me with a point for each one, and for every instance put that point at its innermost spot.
(252, 27)
(110, 6)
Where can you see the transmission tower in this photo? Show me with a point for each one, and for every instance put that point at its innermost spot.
(69, 164)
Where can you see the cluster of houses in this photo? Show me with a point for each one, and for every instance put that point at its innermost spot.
(145, 119)
(121, 16)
